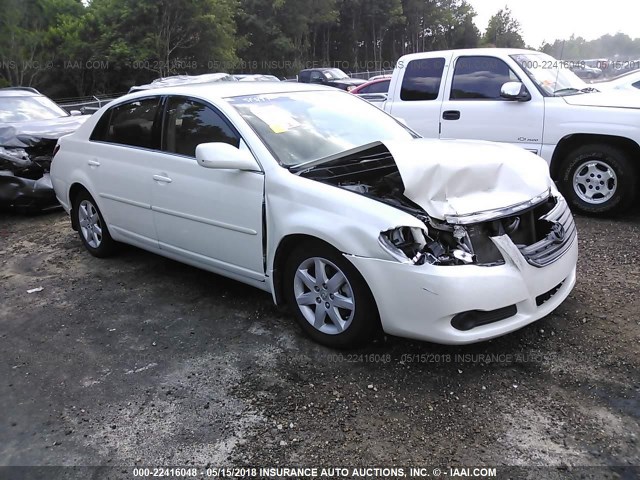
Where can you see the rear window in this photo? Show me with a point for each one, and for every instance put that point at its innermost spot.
(129, 124)
(422, 79)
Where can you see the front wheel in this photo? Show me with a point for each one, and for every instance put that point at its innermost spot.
(329, 298)
(598, 180)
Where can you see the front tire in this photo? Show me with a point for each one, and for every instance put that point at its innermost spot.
(598, 179)
(92, 228)
(329, 298)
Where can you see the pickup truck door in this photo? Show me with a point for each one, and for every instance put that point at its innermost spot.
(473, 108)
(417, 92)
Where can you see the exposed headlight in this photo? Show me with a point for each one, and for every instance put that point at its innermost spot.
(414, 246)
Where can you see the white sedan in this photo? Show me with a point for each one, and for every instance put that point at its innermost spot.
(329, 204)
(628, 82)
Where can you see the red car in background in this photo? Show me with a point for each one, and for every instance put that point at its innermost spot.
(380, 85)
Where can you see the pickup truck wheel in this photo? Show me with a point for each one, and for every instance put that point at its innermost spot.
(329, 298)
(598, 180)
(92, 228)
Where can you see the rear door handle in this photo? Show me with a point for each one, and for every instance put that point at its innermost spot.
(451, 115)
(162, 179)
(93, 163)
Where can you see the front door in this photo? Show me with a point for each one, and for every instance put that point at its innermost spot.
(209, 216)
(474, 109)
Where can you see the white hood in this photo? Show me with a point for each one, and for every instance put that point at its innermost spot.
(614, 98)
(462, 177)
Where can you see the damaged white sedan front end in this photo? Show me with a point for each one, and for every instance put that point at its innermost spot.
(497, 245)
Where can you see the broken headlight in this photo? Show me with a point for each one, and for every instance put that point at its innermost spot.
(415, 246)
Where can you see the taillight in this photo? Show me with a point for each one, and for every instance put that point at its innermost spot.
(56, 150)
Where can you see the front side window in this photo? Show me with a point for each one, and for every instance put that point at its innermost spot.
(480, 78)
(189, 123)
(422, 79)
(131, 123)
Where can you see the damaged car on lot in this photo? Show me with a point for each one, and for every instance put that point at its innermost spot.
(329, 204)
(30, 126)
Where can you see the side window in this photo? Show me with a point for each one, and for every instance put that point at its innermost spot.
(422, 79)
(189, 123)
(129, 124)
(480, 78)
(316, 76)
(379, 87)
(305, 76)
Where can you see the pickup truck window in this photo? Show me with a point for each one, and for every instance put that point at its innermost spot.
(480, 78)
(422, 79)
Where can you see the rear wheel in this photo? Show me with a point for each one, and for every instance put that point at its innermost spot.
(598, 180)
(92, 228)
(329, 298)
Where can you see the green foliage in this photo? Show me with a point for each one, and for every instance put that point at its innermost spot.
(503, 31)
(81, 47)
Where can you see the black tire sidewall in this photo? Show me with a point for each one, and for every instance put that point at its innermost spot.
(365, 324)
(618, 161)
(107, 245)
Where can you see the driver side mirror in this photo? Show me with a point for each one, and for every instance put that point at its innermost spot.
(515, 91)
(221, 155)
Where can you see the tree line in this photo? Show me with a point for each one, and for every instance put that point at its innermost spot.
(82, 47)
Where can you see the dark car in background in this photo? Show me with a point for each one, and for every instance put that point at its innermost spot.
(30, 126)
(332, 77)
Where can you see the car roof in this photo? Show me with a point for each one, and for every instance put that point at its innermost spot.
(19, 92)
(472, 51)
(222, 90)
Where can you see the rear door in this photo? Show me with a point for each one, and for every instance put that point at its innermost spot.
(418, 92)
(121, 164)
(209, 216)
(474, 109)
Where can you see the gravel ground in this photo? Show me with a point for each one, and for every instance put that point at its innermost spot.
(139, 360)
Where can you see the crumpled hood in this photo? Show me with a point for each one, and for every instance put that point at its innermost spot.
(618, 99)
(28, 134)
(462, 177)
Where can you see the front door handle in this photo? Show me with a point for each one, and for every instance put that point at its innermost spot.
(162, 179)
(451, 115)
(93, 163)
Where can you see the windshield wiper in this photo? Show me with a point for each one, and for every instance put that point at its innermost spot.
(566, 90)
(590, 90)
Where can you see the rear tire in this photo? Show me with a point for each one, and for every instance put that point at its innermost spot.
(329, 298)
(598, 179)
(92, 228)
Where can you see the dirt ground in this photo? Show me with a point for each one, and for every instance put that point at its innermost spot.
(139, 360)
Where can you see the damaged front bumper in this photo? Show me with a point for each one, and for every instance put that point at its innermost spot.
(26, 195)
(422, 301)
(520, 265)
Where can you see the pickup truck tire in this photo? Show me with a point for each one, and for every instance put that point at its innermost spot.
(598, 179)
(329, 298)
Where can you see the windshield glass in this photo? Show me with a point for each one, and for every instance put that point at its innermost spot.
(553, 77)
(299, 127)
(23, 109)
(334, 74)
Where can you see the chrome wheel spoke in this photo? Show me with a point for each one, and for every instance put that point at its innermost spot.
(336, 282)
(321, 271)
(308, 298)
(320, 316)
(306, 278)
(338, 322)
(340, 301)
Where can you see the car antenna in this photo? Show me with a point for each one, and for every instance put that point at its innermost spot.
(561, 63)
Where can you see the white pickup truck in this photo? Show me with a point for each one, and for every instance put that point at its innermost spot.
(591, 140)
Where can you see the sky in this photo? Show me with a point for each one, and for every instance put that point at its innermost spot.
(548, 20)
